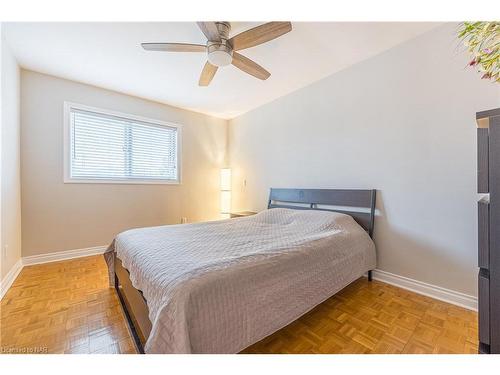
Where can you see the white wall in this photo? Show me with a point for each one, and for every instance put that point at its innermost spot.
(10, 164)
(58, 216)
(401, 122)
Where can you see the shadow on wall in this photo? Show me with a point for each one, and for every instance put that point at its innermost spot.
(205, 143)
(404, 254)
(212, 146)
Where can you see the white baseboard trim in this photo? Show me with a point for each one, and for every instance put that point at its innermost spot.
(11, 276)
(63, 255)
(429, 290)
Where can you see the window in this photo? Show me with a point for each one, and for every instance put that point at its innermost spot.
(108, 147)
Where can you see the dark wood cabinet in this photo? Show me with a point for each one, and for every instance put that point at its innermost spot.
(488, 184)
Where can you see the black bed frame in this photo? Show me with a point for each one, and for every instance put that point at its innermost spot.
(360, 204)
(363, 202)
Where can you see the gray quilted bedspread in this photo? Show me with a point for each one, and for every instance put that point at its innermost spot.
(218, 287)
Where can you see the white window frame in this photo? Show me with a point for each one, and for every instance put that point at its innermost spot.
(68, 106)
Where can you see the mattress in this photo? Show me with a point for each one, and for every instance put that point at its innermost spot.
(218, 287)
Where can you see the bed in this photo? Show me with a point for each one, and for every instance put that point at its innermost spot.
(221, 286)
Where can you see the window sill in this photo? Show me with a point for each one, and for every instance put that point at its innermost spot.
(121, 182)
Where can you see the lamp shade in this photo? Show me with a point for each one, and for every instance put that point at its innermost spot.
(225, 202)
(225, 179)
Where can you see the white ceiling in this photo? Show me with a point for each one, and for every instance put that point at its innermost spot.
(109, 55)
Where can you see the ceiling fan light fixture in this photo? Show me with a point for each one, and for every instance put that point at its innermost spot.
(220, 58)
(219, 54)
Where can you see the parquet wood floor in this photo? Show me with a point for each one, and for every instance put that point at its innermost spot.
(67, 307)
(64, 307)
(374, 317)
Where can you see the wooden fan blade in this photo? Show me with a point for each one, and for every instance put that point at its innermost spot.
(174, 47)
(207, 74)
(210, 30)
(260, 34)
(250, 67)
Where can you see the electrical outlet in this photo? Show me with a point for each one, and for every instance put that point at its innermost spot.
(4, 251)
(184, 220)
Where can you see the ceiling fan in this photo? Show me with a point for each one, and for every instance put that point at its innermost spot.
(221, 50)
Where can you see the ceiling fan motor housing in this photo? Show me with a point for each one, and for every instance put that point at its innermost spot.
(220, 53)
(224, 28)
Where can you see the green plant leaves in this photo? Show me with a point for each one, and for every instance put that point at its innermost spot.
(482, 40)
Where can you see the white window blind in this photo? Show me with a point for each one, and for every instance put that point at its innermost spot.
(106, 147)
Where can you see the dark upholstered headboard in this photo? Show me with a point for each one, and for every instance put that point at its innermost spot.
(360, 204)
